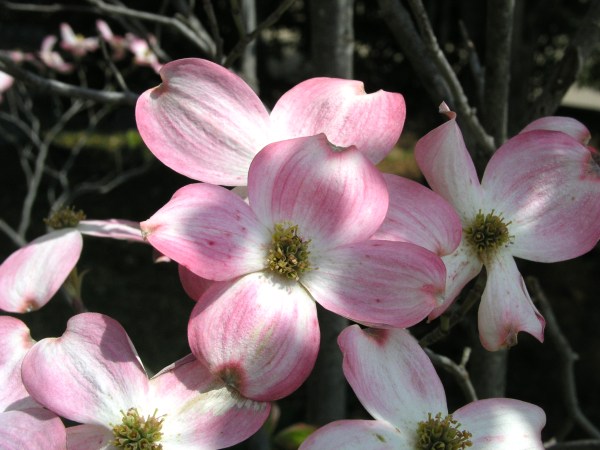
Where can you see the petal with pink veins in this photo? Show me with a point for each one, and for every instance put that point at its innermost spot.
(377, 283)
(447, 165)
(209, 230)
(207, 414)
(33, 274)
(568, 125)
(126, 230)
(89, 437)
(392, 376)
(203, 121)
(543, 182)
(89, 374)
(334, 196)
(502, 424)
(419, 216)
(15, 342)
(344, 112)
(357, 435)
(259, 334)
(461, 267)
(506, 307)
(32, 429)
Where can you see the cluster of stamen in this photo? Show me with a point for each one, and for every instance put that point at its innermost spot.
(436, 433)
(65, 217)
(288, 255)
(487, 233)
(136, 432)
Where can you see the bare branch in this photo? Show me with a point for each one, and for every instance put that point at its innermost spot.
(458, 371)
(567, 359)
(564, 74)
(237, 51)
(65, 89)
(499, 29)
(214, 29)
(447, 323)
(467, 114)
(402, 27)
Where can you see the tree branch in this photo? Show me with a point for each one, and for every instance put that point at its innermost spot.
(567, 358)
(65, 89)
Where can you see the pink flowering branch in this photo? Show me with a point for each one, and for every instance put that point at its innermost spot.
(65, 89)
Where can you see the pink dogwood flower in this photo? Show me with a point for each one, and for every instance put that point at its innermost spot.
(118, 44)
(302, 237)
(77, 44)
(53, 59)
(31, 276)
(6, 82)
(92, 375)
(205, 122)
(396, 383)
(142, 53)
(537, 200)
(24, 423)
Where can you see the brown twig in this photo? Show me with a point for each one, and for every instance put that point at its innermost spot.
(567, 358)
(461, 101)
(458, 371)
(65, 89)
(446, 324)
(238, 49)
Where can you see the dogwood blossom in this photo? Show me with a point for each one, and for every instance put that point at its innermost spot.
(302, 237)
(396, 383)
(538, 200)
(24, 423)
(51, 58)
(76, 44)
(31, 276)
(6, 82)
(92, 375)
(205, 122)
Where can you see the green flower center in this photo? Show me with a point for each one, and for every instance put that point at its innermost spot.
(436, 433)
(136, 432)
(65, 217)
(288, 255)
(488, 233)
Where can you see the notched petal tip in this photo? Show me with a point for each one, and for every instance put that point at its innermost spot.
(445, 110)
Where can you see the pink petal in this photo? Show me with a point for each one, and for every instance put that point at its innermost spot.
(33, 274)
(203, 121)
(419, 216)
(568, 125)
(193, 285)
(461, 267)
(547, 184)
(378, 282)
(15, 342)
(211, 231)
(357, 435)
(201, 411)
(89, 374)
(344, 112)
(259, 334)
(32, 429)
(392, 376)
(334, 196)
(503, 424)
(446, 164)
(89, 437)
(506, 307)
(112, 228)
